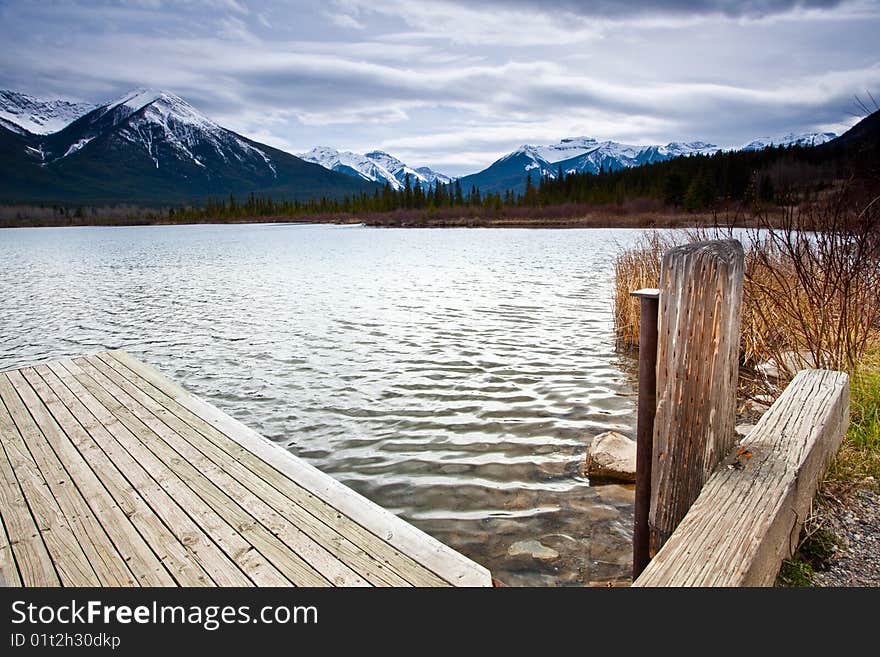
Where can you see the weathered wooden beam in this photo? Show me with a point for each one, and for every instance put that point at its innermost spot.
(749, 515)
(697, 367)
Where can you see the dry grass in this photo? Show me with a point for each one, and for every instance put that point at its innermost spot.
(635, 269)
(810, 295)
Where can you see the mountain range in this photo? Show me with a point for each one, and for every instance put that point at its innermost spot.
(153, 147)
(588, 155)
(149, 147)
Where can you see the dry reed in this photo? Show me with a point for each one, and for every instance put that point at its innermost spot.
(810, 296)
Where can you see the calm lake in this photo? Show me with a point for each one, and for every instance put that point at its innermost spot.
(454, 376)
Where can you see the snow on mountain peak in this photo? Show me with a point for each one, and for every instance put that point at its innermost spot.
(170, 130)
(376, 166)
(678, 148)
(791, 139)
(377, 154)
(161, 116)
(136, 99)
(399, 170)
(565, 149)
(21, 112)
(158, 105)
(353, 164)
(385, 160)
(578, 155)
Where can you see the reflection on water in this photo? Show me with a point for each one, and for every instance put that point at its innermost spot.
(454, 376)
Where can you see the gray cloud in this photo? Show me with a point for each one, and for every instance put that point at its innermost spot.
(457, 84)
(616, 9)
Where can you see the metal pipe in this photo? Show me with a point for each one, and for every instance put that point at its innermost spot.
(649, 310)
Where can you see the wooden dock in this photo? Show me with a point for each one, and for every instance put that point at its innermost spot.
(112, 475)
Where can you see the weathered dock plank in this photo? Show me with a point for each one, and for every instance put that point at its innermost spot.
(147, 498)
(112, 504)
(111, 474)
(246, 542)
(196, 525)
(274, 532)
(27, 561)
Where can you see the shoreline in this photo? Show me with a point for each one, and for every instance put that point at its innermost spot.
(633, 221)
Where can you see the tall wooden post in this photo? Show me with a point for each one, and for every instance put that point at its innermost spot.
(697, 367)
(648, 308)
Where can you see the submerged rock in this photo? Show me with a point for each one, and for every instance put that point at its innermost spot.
(616, 494)
(592, 510)
(611, 455)
(532, 548)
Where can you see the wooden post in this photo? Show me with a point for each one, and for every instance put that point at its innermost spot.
(697, 367)
(649, 305)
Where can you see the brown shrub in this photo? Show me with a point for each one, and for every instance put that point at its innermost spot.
(811, 295)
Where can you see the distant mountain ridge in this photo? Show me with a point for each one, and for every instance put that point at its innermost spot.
(375, 166)
(791, 139)
(574, 155)
(23, 114)
(151, 146)
(588, 155)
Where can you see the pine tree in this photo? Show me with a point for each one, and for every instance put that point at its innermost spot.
(407, 192)
(531, 193)
(418, 195)
(673, 189)
(766, 190)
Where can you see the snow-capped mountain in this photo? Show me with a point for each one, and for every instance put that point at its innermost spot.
(167, 129)
(151, 144)
(585, 154)
(791, 139)
(22, 113)
(352, 164)
(375, 166)
(399, 170)
(588, 155)
(574, 155)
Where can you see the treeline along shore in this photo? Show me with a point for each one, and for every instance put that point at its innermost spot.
(636, 214)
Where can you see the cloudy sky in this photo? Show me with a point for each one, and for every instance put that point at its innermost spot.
(454, 84)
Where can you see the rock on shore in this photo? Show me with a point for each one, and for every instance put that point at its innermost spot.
(611, 456)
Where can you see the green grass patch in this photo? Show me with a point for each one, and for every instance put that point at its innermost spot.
(859, 456)
(795, 573)
(814, 553)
